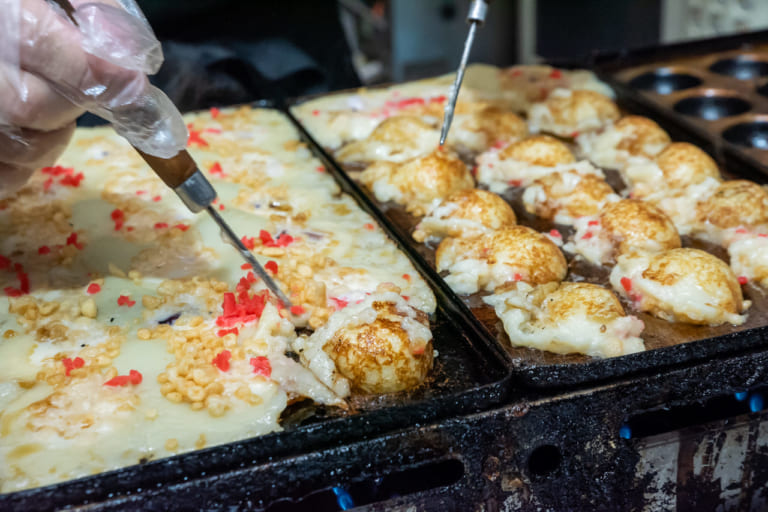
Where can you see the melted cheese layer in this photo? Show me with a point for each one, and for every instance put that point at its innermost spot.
(749, 257)
(499, 175)
(531, 321)
(706, 293)
(122, 277)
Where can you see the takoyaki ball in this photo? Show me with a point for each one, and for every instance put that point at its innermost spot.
(335, 128)
(634, 224)
(520, 163)
(381, 346)
(641, 136)
(563, 197)
(485, 128)
(396, 139)
(501, 126)
(538, 150)
(735, 203)
(681, 285)
(567, 318)
(465, 214)
(486, 262)
(684, 164)
(418, 183)
(629, 138)
(569, 113)
(622, 227)
(584, 79)
(678, 166)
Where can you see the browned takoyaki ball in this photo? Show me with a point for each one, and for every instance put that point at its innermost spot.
(465, 214)
(735, 203)
(637, 225)
(567, 113)
(631, 137)
(565, 196)
(684, 164)
(681, 285)
(486, 262)
(396, 139)
(382, 356)
(541, 150)
(418, 183)
(641, 136)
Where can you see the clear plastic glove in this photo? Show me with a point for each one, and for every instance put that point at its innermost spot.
(51, 70)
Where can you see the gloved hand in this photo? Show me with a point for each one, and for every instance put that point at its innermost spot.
(51, 70)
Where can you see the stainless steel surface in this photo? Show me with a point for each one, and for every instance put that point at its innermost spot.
(230, 236)
(718, 459)
(196, 192)
(477, 11)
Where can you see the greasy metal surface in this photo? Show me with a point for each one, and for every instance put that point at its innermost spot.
(469, 375)
(707, 467)
(667, 343)
(736, 67)
(538, 453)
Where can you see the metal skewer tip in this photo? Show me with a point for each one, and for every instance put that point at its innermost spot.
(451, 105)
(248, 256)
(475, 17)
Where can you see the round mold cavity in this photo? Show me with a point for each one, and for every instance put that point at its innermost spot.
(544, 460)
(750, 134)
(745, 67)
(664, 81)
(712, 105)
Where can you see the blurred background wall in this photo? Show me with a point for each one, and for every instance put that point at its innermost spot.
(405, 39)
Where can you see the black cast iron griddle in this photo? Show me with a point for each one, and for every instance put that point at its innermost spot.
(470, 374)
(667, 344)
